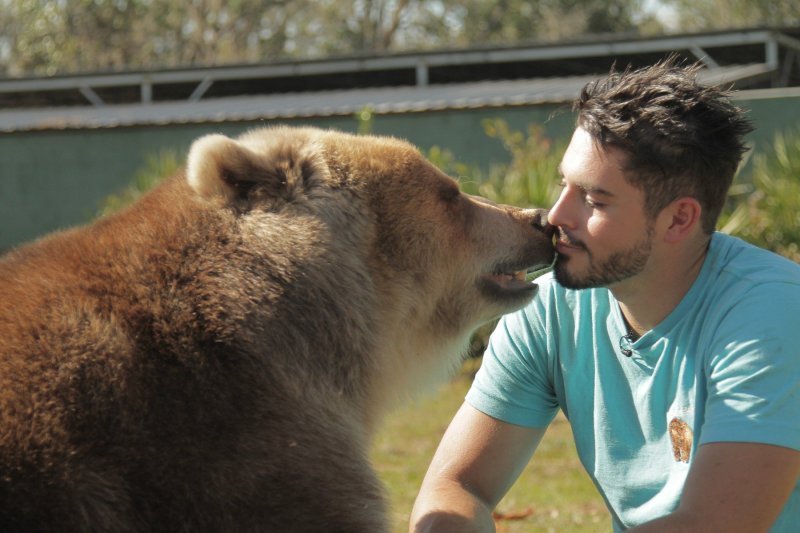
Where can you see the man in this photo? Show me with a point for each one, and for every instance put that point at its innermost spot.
(674, 351)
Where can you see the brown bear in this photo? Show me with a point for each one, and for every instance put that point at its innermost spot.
(215, 357)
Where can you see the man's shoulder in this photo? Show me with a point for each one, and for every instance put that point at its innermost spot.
(739, 261)
(748, 288)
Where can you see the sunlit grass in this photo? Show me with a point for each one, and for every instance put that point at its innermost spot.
(553, 493)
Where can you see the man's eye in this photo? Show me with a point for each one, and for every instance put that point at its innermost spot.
(591, 203)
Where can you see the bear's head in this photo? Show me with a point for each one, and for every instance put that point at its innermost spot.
(388, 243)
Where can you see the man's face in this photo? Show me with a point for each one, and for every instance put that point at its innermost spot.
(604, 235)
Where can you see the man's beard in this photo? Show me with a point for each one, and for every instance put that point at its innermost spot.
(617, 267)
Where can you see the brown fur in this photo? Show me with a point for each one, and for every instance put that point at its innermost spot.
(215, 357)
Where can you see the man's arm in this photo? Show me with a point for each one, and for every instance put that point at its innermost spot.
(733, 486)
(476, 463)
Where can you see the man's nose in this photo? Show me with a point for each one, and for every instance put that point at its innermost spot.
(558, 214)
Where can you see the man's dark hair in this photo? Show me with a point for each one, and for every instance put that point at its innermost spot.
(682, 138)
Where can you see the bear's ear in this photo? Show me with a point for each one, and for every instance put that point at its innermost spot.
(225, 169)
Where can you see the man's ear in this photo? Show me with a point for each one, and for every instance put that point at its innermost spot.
(680, 218)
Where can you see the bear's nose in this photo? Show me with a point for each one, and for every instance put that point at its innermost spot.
(539, 221)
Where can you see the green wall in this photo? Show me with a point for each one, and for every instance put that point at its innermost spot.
(56, 179)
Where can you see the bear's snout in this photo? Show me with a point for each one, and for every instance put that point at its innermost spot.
(539, 221)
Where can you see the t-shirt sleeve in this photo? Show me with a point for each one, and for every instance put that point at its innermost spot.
(753, 371)
(513, 383)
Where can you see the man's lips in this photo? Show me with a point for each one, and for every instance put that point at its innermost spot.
(563, 246)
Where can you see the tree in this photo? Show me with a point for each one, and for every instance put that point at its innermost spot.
(719, 14)
(45, 37)
(504, 21)
(337, 27)
(49, 37)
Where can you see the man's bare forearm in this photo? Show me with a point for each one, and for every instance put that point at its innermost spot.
(450, 508)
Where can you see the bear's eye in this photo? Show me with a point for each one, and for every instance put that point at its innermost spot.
(449, 194)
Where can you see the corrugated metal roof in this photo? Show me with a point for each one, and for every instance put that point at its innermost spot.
(328, 103)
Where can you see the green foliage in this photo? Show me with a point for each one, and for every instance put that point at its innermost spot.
(364, 119)
(156, 168)
(528, 179)
(47, 37)
(493, 21)
(722, 14)
(766, 210)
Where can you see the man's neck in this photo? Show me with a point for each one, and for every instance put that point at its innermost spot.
(651, 296)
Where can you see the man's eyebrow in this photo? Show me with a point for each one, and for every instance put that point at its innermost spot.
(590, 189)
(597, 191)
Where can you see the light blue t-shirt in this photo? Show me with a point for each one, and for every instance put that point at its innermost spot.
(724, 365)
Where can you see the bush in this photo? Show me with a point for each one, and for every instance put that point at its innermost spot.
(765, 209)
(529, 179)
(157, 167)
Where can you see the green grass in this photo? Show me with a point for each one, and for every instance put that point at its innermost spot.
(553, 493)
